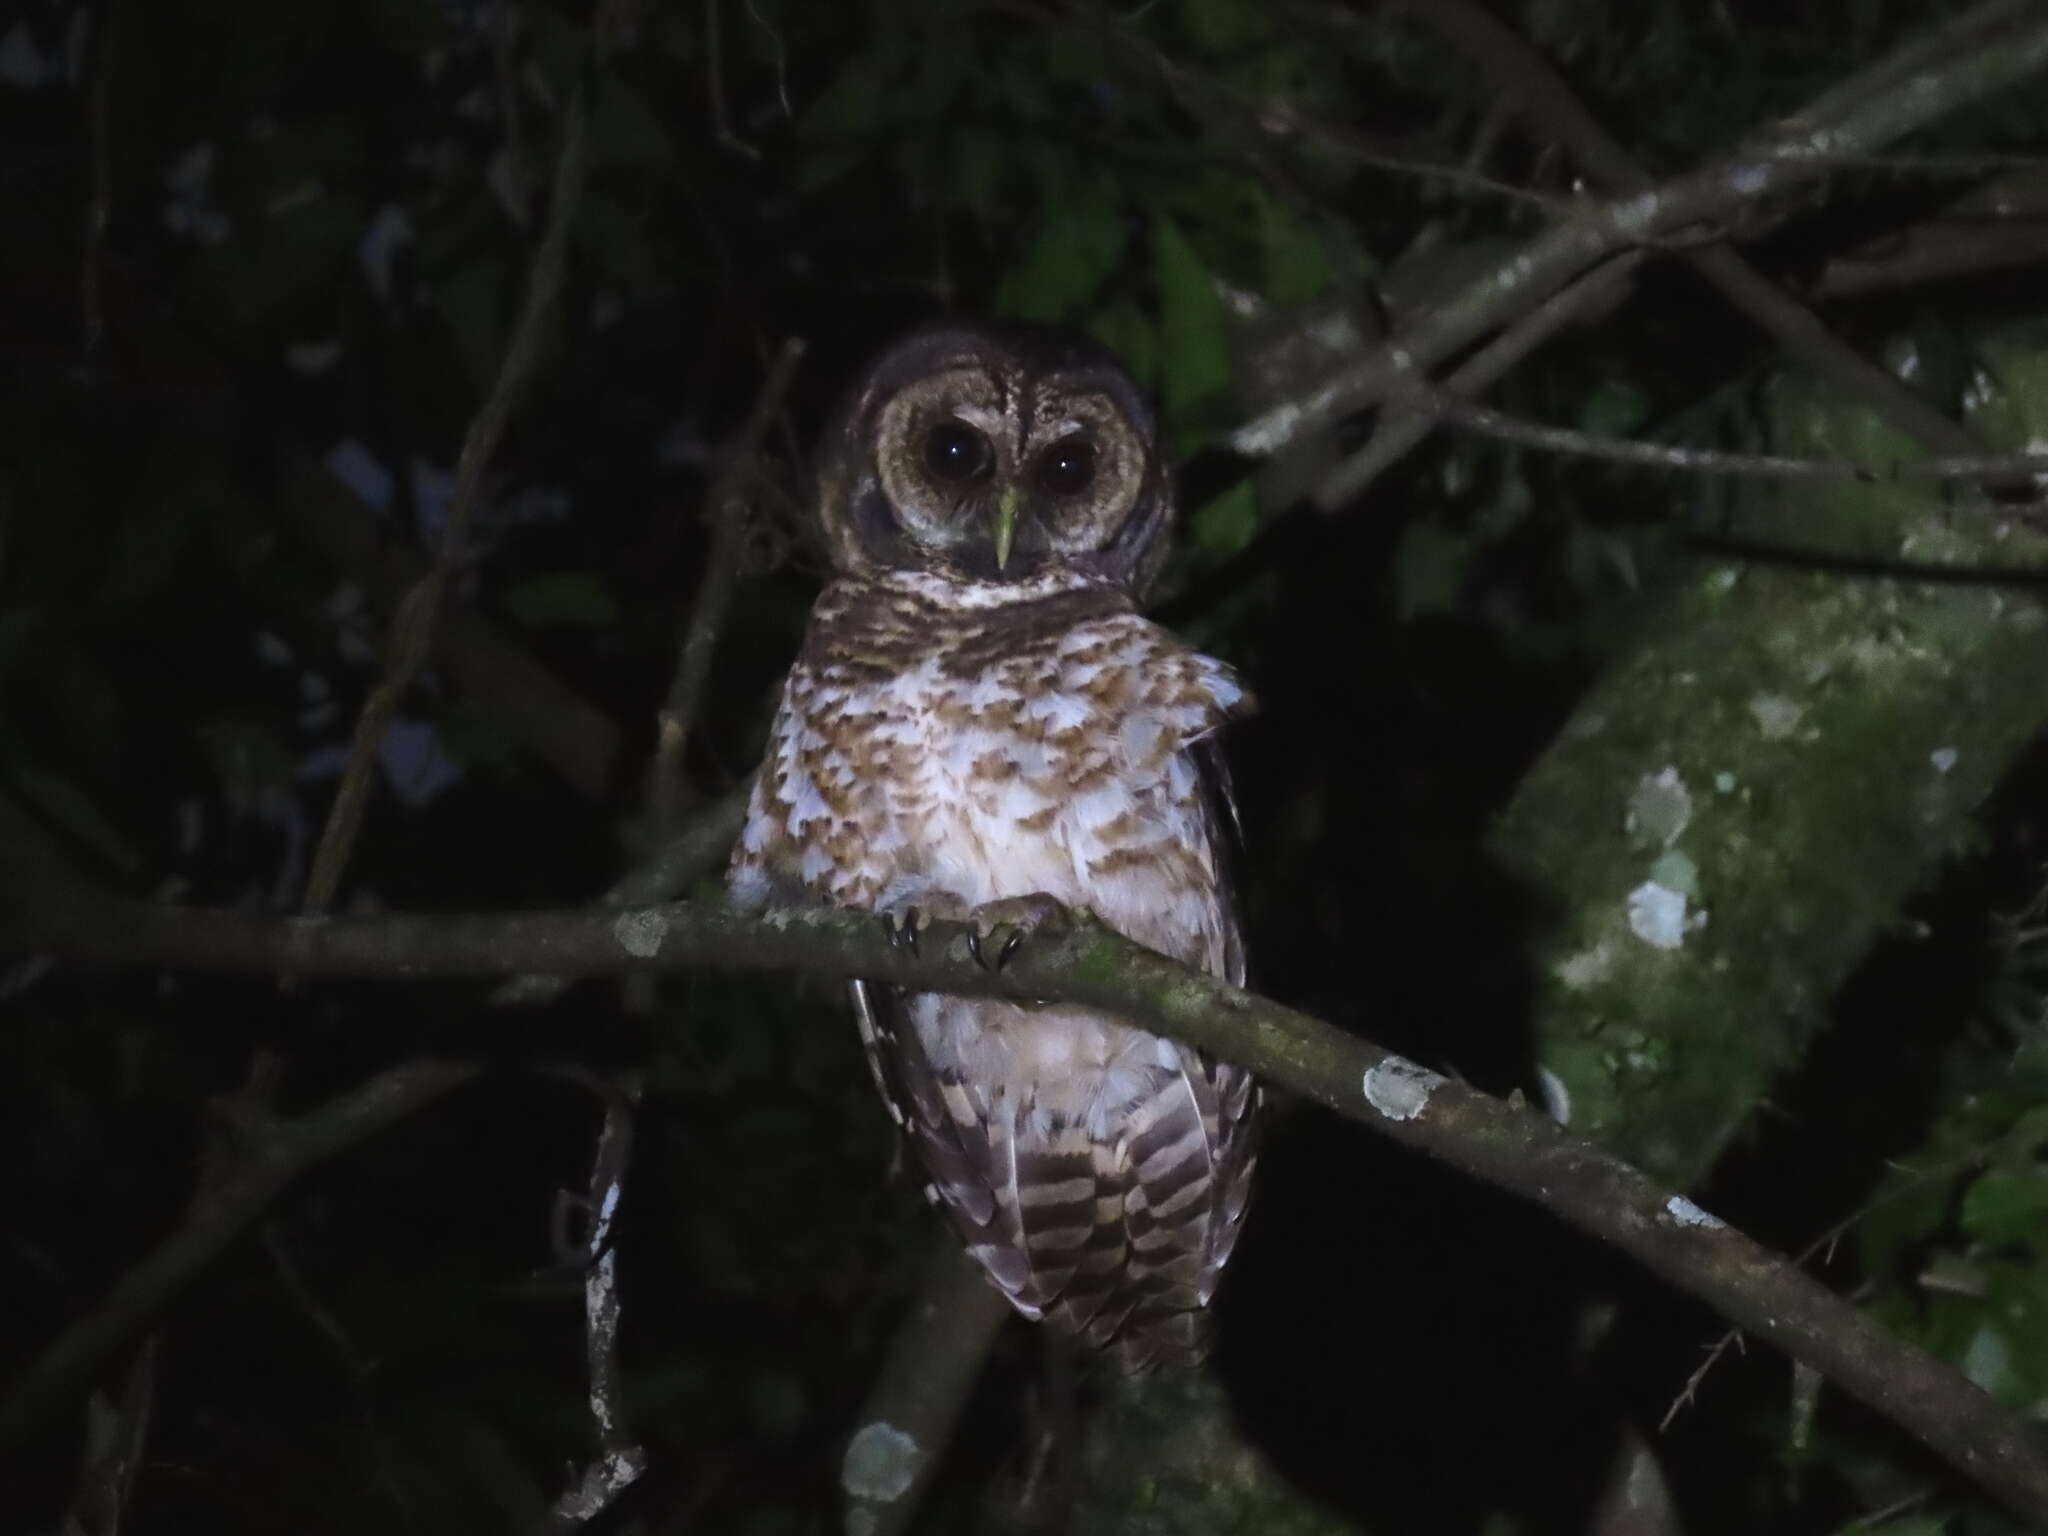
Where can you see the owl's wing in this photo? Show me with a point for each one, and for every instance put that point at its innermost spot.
(1201, 1127)
(994, 1175)
(1225, 832)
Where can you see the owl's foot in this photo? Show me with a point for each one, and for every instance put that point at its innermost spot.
(903, 924)
(902, 927)
(1015, 919)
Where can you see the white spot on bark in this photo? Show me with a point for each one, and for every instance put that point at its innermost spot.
(1776, 716)
(1399, 1088)
(881, 1463)
(640, 933)
(1636, 217)
(1557, 1099)
(1749, 178)
(1271, 431)
(1686, 1214)
(1660, 809)
(1944, 759)
(1587, 968)
(1656, 915)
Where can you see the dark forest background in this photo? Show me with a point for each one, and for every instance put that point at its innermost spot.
(260, 266)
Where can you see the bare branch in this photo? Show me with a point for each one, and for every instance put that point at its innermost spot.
(1401, 426)
(1712, 461)
(726, 508)
(1523, 74)
(664, 874)
(412, 625)
(1990, 47)
(284, 1150)
(620, 1459)
(1084, 962)
(933, 1363)
(575, 738)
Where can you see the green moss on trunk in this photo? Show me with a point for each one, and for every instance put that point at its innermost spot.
(1744, 801)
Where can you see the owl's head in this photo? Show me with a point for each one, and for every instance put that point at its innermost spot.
(995, 455)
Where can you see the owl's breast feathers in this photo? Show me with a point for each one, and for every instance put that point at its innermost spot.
(945, 744)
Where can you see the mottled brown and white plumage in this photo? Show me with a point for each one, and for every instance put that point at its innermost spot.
(978, 714)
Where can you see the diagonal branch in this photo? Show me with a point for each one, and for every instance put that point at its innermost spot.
(934, 1361)
(1082, 961)
(1524, 75)
(1992, 46)
(280, 1152)
(414, 622)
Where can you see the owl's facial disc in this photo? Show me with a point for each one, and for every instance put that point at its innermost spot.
(1000, 477)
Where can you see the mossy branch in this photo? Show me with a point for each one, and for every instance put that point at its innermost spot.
(1082, 961)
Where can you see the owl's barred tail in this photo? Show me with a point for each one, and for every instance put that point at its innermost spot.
(1123, 1243)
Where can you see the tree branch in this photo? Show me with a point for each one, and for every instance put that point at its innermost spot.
(1990, 47)
(413, 623)
(933, 1363)
(620, 1459)
(1522, 74)
(279, 1152)
(726, 510)
(1081, 961)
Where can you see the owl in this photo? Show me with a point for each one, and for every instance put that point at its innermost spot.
(980, 725)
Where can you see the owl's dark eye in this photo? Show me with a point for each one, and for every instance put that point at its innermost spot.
(954, 451)
(1067, 468)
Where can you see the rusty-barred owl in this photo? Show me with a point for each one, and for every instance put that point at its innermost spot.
(980, 719)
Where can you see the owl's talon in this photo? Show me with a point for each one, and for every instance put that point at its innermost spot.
(1011, 945)
(902, 929)
(974, 949)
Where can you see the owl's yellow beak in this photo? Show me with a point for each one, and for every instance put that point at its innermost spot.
(1005, 525)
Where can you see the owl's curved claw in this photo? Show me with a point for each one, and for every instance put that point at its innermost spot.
(1016, 918)
(901, 927)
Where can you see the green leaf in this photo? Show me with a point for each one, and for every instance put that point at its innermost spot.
(624, 130)
(146, 549)
(274, 261)
(475, 303)
(1429, 570)
(1225, 525)
(562, 599)
(1297, 267)
(1130, 333)
(2007, 1207)
(1194, 356)
(1077, 247)
(1223, 26)
(69, 808)
(84, 699)
(1615, 409)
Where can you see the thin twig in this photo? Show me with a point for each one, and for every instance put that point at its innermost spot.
(1400, 428)
(99, 206)
(664, 874)
(287, 1149)
(1780, 159)
(412, 625)
(726, 508)
(581, 743)
(714, 85)
(1711, 461)
(116, 1434)
(620, 1459)
(1522, 74)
